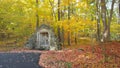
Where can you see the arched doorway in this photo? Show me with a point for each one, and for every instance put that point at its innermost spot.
(43, 39)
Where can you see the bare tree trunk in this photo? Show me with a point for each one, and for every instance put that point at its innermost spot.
(109, 20)
(58, 29)
(106, 24)
(59, 35)
(98, 20)
(119, 13)
(104, 20)
(62, 36)
(58, 10)
(76, 38)
(69, 43)
(37, 16)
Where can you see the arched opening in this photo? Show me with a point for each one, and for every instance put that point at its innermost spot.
(44, 38)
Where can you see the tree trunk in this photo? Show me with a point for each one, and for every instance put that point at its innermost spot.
(98, 21)
(58, 10)
(62, 39)
(53, 12)
(58, 29)
(37, 16)
(109, 20)
(69, 43)
(104, 20)
(119, 13)
(76, 38)
(106, 24)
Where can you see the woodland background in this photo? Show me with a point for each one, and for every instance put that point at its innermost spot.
(74, 21)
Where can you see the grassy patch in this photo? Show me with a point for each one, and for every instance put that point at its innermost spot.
(68, 65)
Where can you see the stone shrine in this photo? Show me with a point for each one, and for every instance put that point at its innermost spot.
(43, 38)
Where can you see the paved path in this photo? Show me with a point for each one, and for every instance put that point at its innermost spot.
(19, 60)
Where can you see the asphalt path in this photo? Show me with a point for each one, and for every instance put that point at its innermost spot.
(19, 60)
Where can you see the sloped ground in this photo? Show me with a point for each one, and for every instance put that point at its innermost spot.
(102, 56)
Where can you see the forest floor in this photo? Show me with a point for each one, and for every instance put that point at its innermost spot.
(105, 55)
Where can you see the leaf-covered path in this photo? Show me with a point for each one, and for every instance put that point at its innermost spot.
(19, 60)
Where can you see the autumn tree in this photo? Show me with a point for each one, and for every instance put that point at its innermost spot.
(106, 20)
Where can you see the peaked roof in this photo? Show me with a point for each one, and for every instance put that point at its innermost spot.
(45, 26)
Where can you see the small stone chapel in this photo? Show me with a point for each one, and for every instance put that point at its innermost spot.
(44, 38)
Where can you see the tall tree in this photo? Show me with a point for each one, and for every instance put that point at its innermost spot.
(106, 24)
(98, 20)
(53, 12)
(58, 10)
(58, 28)
(119, 12)
(37, 16)
(104, 19)
(69, 43)
(110, 19)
